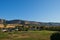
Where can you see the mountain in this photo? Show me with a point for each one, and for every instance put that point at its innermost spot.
(22, 22)
(29, 22)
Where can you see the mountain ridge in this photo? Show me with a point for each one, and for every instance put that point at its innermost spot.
(17, 21)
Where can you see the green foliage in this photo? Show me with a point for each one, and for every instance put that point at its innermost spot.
(26, 35)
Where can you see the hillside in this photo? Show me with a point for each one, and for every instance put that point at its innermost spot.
(29, 22)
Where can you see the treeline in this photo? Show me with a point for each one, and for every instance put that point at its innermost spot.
(37, 28)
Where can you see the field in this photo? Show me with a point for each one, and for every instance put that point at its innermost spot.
(26, 35)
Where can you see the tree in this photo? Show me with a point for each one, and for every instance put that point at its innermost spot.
(4, 23)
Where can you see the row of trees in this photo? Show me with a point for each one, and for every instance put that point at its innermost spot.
(34, 28)
(39, 28)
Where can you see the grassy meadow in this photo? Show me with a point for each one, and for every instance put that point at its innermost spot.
(26, 35)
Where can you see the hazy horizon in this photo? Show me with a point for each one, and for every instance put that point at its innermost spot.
(31, 10)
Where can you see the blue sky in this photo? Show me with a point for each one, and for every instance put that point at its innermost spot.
(32, 10)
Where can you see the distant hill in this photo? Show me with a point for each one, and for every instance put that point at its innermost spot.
(29, 22)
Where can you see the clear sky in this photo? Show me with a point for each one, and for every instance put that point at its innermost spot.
(34, 10)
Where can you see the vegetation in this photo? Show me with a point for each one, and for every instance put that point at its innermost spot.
(36, 28)
(29, 32)
(55, 36)
(26, 35)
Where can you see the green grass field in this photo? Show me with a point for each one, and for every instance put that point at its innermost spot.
(28, 35)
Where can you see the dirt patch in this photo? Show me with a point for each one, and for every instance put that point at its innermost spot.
(19, 36)
(23, 36)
